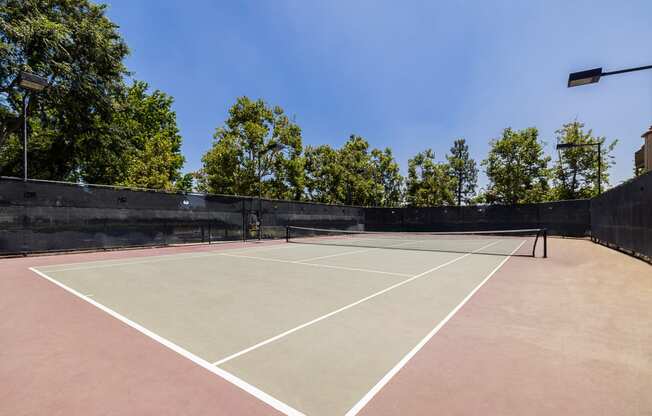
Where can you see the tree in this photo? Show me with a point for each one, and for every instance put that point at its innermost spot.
(255, 141)
(353, 174)
(387, 173)
(463, 170)
(359, 182)
(517, 168)
(428, 182)
(575, 175)
(324, 175)
(79, 51)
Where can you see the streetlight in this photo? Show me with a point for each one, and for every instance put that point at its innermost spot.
(562, 146)
(35, 83)
(271, 148)
(592, 76)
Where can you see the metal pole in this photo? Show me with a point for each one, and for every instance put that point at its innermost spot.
(25, 137)
(599, 168)
(260, 199)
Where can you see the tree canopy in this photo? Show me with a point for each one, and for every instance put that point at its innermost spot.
(575, 174)
(463, 171)
(517, 168)
(88, 124)
(256, 141)
(428, 182)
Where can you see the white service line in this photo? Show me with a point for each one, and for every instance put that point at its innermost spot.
(349, 306)
(95, 265)
(391, 373)
(354, 252)
(325, 266)
(254, 391)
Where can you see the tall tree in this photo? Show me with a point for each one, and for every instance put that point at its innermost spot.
(429, 182)
(146, 121)
(517, 168)
(255, 141)
(575, 175)
(79, 51)
(353, 174)
(463, 170)
(324, 175)
(360, 186)
(387, 173)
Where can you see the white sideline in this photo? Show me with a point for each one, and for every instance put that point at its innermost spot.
(326, 266)
(349, 306)
(391, 373)
(254, 391)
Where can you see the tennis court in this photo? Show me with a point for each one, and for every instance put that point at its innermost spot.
(314, 327)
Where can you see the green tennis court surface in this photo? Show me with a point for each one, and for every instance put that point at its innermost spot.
(309, 328)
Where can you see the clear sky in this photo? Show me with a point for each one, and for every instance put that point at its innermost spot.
(409, 75)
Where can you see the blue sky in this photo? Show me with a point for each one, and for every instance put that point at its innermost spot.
(409, 75)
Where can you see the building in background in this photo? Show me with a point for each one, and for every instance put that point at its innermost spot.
(643, 157)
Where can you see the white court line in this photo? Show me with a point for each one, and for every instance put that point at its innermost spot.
(342, 309)
(179, 256)
(95, 265)
(391, 373)
(325, 266)
(254, 391)
(353, 252)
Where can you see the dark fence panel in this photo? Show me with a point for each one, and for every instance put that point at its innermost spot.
(38, 216)
(277, 215)
(622, 217)
(566, 218)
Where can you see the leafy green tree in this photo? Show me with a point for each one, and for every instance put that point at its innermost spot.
(353, 175)
(575, 174)
(324, 175)
(429, 182)
(463, 170)
(79, 51)
(255, 141)
(517, 168)
(359, 182)
(147, 123)
(185, 183)
(387, 173)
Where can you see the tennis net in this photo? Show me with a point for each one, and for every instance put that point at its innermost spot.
(526, 242)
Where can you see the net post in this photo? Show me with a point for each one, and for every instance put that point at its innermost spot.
(545, 243)
(209, 232)
(287, 233)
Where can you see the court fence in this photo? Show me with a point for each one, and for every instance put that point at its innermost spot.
(41, 216)
(563, 218)
(621, 218)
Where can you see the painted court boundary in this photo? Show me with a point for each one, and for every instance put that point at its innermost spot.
(254, 391)
(391, 373)
(344, 308)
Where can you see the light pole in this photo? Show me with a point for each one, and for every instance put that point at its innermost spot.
(562, 146)
(270, 148)
(592, 76)
(29, 82)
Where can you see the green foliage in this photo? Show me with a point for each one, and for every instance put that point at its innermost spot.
(79, 51)
(429, 182)
(324, 175)
(575, 174)
(463, 170)
(387, 173)
(153, 158)
(517, 168)
(353, 175)
(255, 141)
(185, 183)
